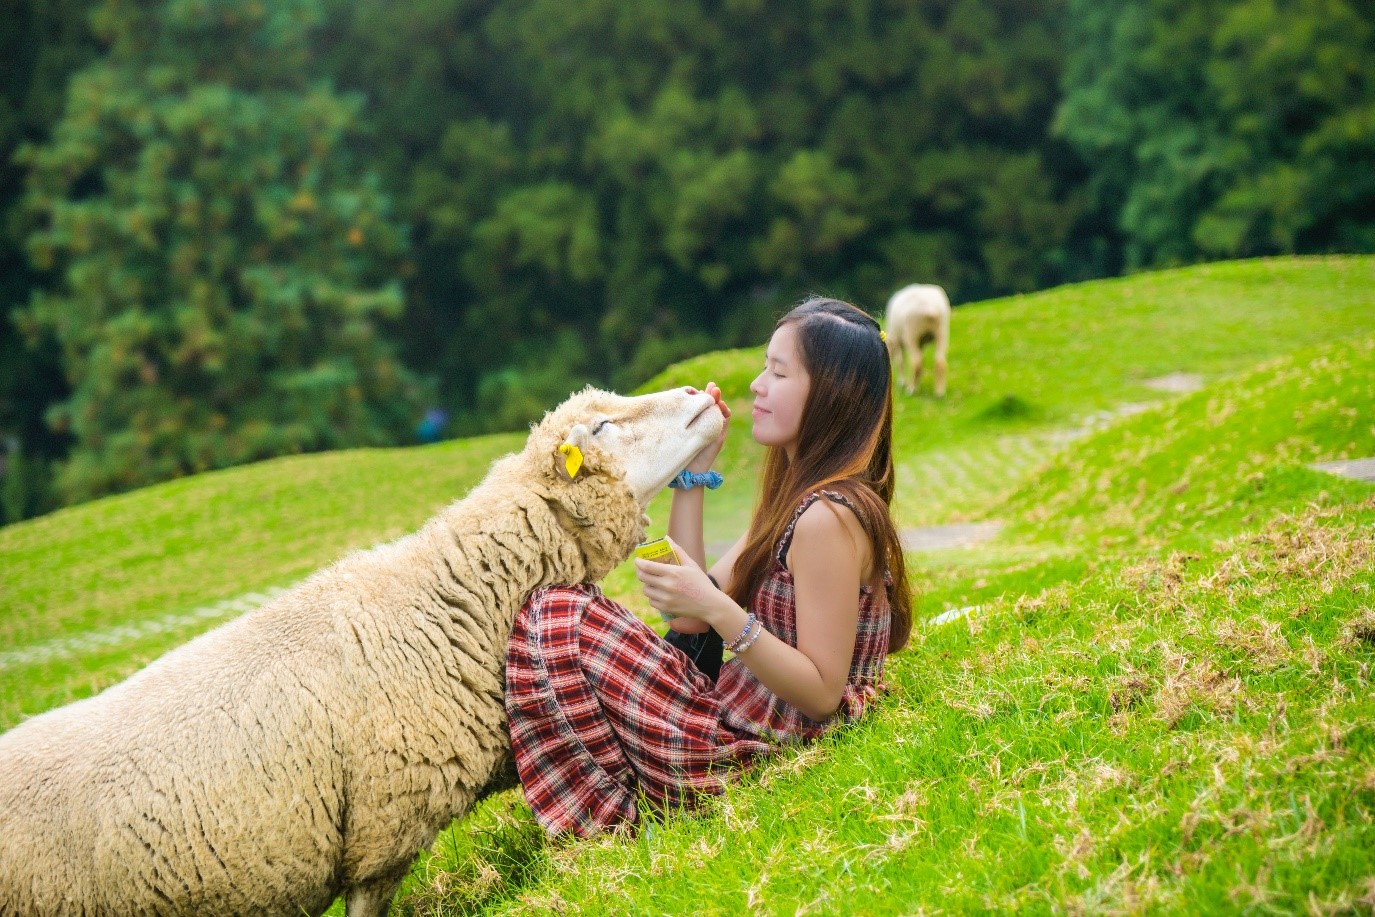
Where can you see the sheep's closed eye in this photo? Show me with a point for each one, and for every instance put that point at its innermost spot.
(598, 428)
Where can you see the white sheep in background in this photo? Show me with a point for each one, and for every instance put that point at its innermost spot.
(917, 315)
(314, 746)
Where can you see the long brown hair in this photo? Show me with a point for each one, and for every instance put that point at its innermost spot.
(844, 444)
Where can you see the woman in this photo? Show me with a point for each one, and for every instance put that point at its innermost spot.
(606, 716)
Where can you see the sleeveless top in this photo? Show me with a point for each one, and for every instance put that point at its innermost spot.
(749, 709)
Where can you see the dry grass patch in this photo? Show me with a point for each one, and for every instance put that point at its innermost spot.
(1261, 643)
(1359, 631)
(1162, 578)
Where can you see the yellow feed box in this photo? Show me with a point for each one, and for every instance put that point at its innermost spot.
(658, 550)
(661, 552)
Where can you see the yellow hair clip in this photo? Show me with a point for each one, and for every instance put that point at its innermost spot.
(573, 460)
(883, 336)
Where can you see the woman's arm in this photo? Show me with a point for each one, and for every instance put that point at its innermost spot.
(685, 523)
(724, 569)
(828, 556)
(685, 513)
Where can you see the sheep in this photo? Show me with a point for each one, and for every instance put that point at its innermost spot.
(918, 314)
(312, 747)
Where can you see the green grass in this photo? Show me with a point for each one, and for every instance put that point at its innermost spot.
(1163, 701)
(1063, 356)
(1199, 467)
(1181, 475)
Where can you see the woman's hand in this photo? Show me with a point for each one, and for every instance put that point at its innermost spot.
(703, 460)
(682, 590)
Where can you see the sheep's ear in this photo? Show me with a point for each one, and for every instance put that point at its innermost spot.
(570, 451)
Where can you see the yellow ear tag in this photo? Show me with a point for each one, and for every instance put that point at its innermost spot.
(574, 459)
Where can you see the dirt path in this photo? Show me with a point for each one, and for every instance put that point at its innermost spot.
(944, 537)
(68, 647)
(1362, 469)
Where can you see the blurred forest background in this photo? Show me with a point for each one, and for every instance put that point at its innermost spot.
(234, 229)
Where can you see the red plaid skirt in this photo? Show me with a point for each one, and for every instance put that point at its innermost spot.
(603, 711)
(606, 717)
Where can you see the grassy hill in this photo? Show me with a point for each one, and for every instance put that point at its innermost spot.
(1026, 368)
(1180, 721)
(1163, 697)
(1181, 475)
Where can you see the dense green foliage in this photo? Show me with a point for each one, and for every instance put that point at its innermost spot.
(603, 188)
(520, 196)
(223, 265)
(41, 45)
(1225, 128)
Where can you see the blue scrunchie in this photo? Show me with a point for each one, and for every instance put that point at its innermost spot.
(686, 480)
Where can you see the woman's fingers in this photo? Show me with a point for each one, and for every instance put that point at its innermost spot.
(656, 575)
(714, 391)
(671, 587)
(651, 570)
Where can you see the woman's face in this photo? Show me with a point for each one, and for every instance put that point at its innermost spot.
(780, 392)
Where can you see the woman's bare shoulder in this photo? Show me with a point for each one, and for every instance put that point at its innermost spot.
(828, 525)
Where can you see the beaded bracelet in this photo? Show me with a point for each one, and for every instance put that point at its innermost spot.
(746, 638)
(759, 632)
(749, 623)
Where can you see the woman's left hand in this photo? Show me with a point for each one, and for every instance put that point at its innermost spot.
(678, 589)
(703, 460)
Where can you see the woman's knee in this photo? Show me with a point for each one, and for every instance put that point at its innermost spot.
(553, 606)
(613, 616)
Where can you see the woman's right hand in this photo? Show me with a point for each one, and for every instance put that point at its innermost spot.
(703, 460)
(683, 591)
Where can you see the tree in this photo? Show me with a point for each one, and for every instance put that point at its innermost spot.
(223, 265)
(1225, 128)
(642, 181)
(41, 44)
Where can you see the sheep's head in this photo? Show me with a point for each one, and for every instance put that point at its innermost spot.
(604, 457)
(643, 440)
